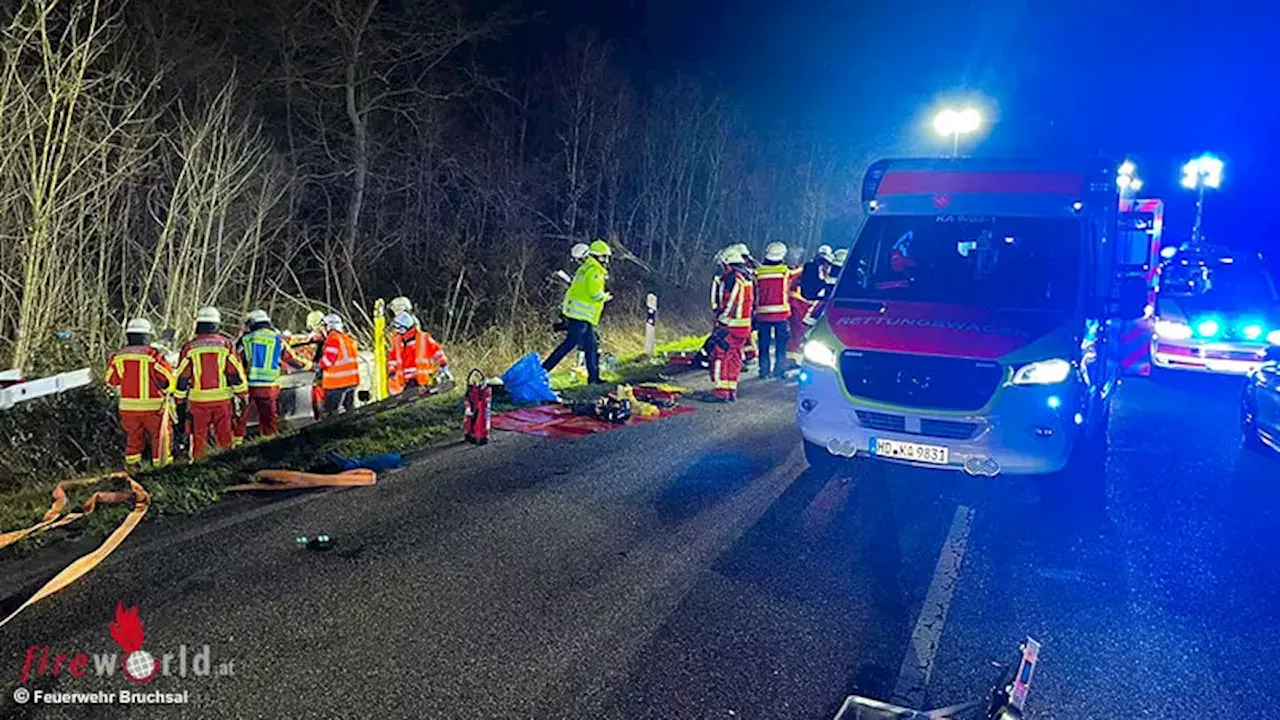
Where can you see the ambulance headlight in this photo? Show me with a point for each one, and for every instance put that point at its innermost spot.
(1273, 337)
(1045, 372)
(817, 353)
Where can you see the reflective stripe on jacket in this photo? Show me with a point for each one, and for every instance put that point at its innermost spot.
(209, 370)
(739, 298)
(423, 356)
(585, 298)
(338, 364)
(772, 291)
(143, 376)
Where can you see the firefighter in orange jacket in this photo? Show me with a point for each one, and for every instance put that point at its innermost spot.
(212, 382)
(773, 309)
(145, 381)
(339, 367)
(733, 327)
(421, 357)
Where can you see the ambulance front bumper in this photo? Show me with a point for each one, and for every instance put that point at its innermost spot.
(1027, 430)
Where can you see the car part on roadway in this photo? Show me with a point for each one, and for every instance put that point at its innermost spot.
(1007, 700)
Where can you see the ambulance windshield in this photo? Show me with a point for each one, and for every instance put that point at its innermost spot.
(995, 262)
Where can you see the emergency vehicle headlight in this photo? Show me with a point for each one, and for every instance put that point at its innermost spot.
(817, 353)
(1045, 372)
(1252, 332)
(1273, 337)
(1172, 330)
(1208, 328)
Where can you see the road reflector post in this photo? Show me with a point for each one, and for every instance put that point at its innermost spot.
(651, 324)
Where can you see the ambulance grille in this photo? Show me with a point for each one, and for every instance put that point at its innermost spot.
(920, 381)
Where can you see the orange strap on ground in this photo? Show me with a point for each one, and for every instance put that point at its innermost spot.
(55, 518)
(294, 480)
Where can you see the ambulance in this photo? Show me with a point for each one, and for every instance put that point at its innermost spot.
(975, 325)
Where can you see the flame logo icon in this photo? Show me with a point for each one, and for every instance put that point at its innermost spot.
(126, 630)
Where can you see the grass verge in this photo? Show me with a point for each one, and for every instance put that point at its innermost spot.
(187, 489)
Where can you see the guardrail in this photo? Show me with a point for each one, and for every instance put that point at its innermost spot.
(32, 389)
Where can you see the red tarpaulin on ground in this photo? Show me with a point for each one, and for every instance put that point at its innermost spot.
(558, 421)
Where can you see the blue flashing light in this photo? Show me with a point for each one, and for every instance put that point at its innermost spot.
(1055, 402)
(1168, 251)
(1252, 332)
(1077, 206)
(1079, 419)
(1208, 328)
(804, 377)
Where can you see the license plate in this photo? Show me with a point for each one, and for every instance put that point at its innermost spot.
(916, 452)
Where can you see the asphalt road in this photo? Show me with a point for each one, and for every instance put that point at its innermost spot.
(693, 568)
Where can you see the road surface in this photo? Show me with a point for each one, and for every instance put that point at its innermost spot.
(693, 568)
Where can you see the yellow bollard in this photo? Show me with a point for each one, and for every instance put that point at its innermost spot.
(379, 384)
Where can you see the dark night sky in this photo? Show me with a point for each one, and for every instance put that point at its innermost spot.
(1156, 81)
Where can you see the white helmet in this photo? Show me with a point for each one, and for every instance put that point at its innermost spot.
(315, 319)
(732, 256)
(139, 326)
(257, 316)
(579, 251)
(824, 252)
(775, 252)
(209, 315)
(333, 322)
(839, 257)
(742, 248)
(403, 322)
(399, 305)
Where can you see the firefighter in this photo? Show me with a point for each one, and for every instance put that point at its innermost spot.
(264, 352)
(314, 344)
(145, 381)
(703, 358)
(422, 360)
(808, 287)
(733, 328)
(339, 367)
(210, 382)
(582, 306)
(395, 360)
(773, 309)
(816, 309)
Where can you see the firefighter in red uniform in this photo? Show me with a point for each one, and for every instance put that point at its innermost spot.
(773, 309)
(733, 328)
(145, 381)
(212, 381)
(809, 285)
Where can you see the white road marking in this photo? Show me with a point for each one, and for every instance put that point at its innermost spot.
(917, 664)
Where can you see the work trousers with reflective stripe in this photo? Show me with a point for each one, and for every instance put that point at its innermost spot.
(726, 361)
(142, 429)
(263, 399)
(795, 343)
(210, 418)
(774, 335)
(335, 398)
